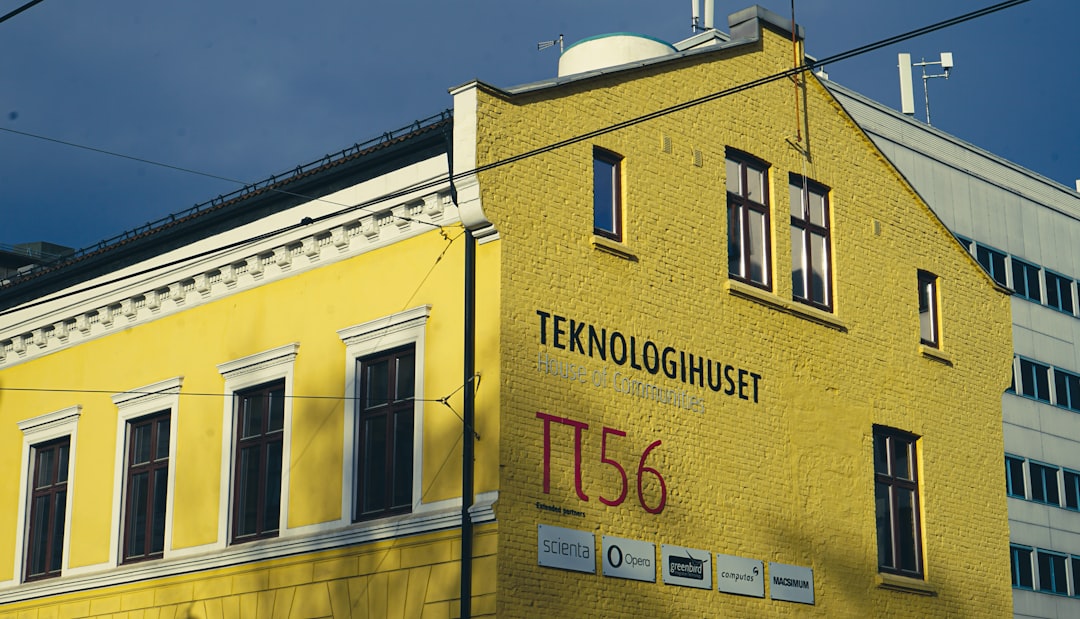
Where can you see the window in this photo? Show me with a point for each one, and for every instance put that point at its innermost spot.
(1052, 572)
(896, 494)
(810, 261)
(385, 411)
(1034, 380)
(748, 219)
(48, 509)
(928, 309)
(260, 416)
(1020, 561)
(1072, 491)
(1059, 292)
(1014, 477)
(1026, 280)
(384, 369)
(1075, 561)
(994, 263)
(607, 194)
(146, 487)
(1044, 483)
(1067, 389)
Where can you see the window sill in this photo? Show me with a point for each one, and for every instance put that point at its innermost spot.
(752, 293)
(894, 582)
(614, 248)
(934, 354)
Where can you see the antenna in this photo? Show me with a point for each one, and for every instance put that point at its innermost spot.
(908, 106)
(709, 10)
(542, 45)
(694, 15)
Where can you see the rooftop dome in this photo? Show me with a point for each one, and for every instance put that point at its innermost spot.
(610, 50)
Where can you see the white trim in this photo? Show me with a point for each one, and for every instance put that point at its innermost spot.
(439, 516)
(130, 405)
(361, 340)
(37, 430)
(239, 374)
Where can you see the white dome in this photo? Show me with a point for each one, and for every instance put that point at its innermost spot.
(610, 50)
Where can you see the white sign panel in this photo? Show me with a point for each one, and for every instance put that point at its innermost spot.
(686, 567)
(565, 549)
(791, 583)
(740, 575)
(628, 558)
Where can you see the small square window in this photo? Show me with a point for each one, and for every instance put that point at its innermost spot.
(994, 263)
(928, 309)
(1044, 483)
(1052, 572)
(1026, 280)
(1034, 380)
(607, 194)
(1067, 389)
(1059, 292)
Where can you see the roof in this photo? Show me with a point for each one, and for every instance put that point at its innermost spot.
(390, 150)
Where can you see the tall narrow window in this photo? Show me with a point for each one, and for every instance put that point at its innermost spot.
(146, 487)
(748, 219)
(1014, 477)
(928, 309)
(48, 509)
(896, 494)
(385, 415)
(260, 415)
(607, 194)
(1072, 492)
(810, 261)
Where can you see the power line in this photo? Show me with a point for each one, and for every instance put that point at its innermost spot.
(440, 180)
(20, 10)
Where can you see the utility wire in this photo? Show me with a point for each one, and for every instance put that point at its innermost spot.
(576, 139)
(20, 10)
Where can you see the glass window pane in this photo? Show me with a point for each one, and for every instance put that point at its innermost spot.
(1024, 576)
(403, 438)
(406, 376)
(62, 462)
(796, 195)
(817, 209)
(819, 276)
(901, 459)
(798, 262)
(757, 247)
(251, 416)
(276, 402)
(140, 443)
(883, 516)
(56, 545)
(734, 181)
(374, 465)
(755, 185)
(881, 454)
(39, 539)
(162, 439)
(138, 503)
(157, 514)
(247, 512)
(272, 502)
(604, 195)
(735, 235)
(907, 540)
(1072, 492)
(376, 387)
(46, 465)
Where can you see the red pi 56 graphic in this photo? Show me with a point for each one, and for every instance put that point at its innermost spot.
(579, 428)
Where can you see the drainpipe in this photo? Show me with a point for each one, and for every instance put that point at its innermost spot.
(468, 415)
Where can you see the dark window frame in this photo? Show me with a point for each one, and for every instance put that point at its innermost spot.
(1044, 483)
(900, 541)
(1021, 566)
(1054, 567)
(608, 206)
(1014, 477)
(1027, 280)
(804, 228)
(739, 208)
(396, 410)
(54, 490)
(929, 304)
(1072, 490)
(155, 463)
(994, 261)
(1067, 389)
(1059, 287)
(1034, 380)
(263, 442)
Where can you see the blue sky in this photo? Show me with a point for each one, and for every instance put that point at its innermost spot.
(246, 90)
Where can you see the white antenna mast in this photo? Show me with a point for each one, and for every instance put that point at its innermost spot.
(906, 102)
(542, 45)
(694, 15)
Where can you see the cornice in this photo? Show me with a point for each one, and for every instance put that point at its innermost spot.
(183, 287)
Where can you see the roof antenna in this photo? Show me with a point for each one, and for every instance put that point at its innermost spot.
(907, 99)
(694, 15)
(542, 45)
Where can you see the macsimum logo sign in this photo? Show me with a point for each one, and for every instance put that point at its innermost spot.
(686, 567)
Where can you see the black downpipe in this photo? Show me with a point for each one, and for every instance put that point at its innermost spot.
(468, 433)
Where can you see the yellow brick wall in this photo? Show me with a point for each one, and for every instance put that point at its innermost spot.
(411, 577)
(790, 477)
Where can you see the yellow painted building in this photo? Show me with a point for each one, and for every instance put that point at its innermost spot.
(719, 360)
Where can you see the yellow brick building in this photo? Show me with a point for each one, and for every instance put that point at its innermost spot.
(719, 361)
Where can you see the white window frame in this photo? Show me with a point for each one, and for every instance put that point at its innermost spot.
(38, 430)
(362, 340)
(131, 405)
(243, 373)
